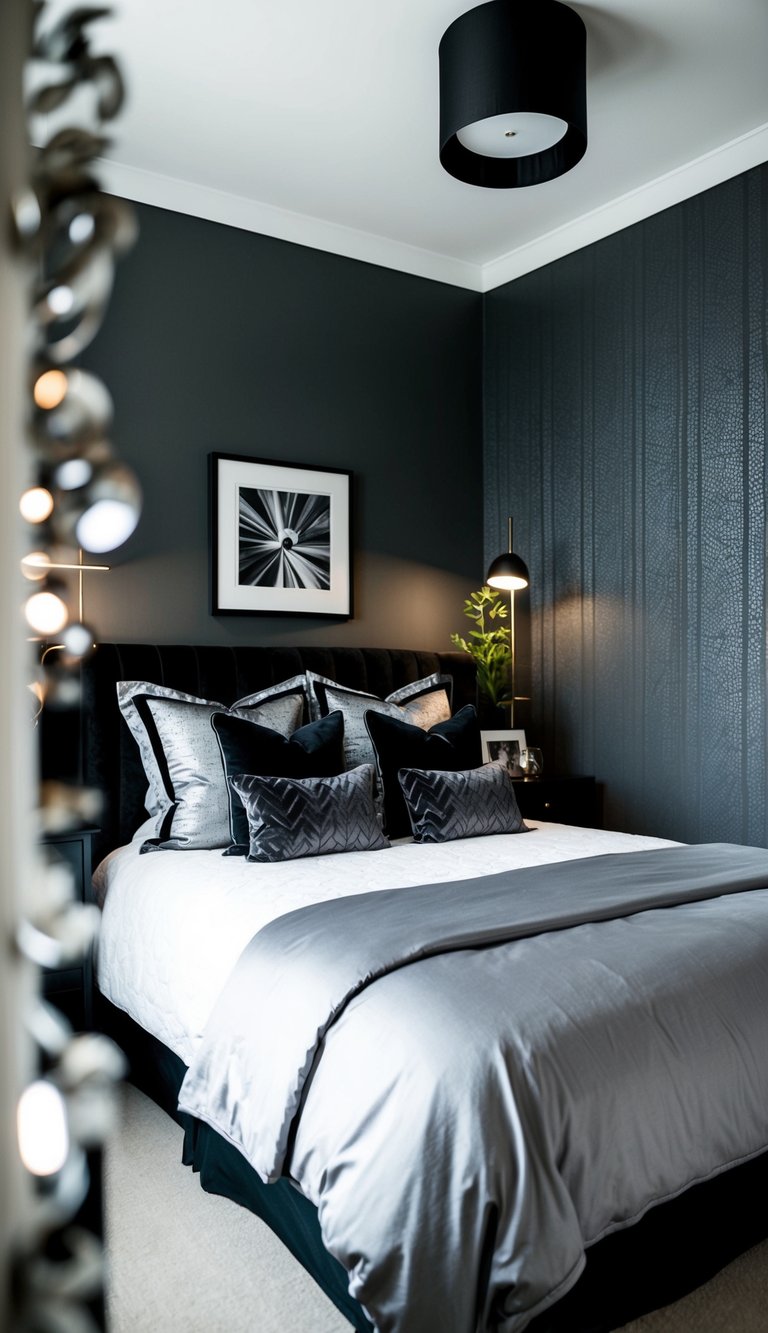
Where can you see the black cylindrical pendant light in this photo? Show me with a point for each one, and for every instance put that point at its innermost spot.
(513, 93)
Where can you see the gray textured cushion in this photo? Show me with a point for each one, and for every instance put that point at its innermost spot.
(295, 817)
(187, 796)
(422, 704)
(464, 804)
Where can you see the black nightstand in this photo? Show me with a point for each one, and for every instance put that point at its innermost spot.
(71, 988)
(563, 800)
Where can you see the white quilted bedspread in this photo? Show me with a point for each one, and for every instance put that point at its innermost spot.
(175, 923)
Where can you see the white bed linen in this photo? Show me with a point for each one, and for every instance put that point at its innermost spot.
(175, 923)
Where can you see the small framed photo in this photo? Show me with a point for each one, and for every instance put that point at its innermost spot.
(279, 538)
(503, 747)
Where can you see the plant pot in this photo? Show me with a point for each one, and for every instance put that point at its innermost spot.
(492, 717)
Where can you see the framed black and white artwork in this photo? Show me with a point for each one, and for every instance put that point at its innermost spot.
(280, 538)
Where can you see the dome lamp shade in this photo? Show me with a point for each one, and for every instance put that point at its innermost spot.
(508, 571)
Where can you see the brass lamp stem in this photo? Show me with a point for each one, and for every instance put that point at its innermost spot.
(511, 639)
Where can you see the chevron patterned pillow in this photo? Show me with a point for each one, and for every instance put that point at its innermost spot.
(443, 806)
(294, 817)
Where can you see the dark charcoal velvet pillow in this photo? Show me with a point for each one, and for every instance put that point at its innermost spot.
(294, 817)
(314, 751)
(450, 745)
(467, 804)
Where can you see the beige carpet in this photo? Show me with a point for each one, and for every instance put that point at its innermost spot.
(183, 1261)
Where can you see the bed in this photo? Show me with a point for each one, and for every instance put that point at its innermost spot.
(169, 980)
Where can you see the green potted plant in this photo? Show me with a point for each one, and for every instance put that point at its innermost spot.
(489, 644)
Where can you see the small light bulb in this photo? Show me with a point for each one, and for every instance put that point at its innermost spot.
(43, 1133)
(26, 213)
(77, 640)
(73, 473)
(46, 613)
(106, 524)
(61, 300)
(36, 504)
(50, 389)
(81, 228)
(35, 565)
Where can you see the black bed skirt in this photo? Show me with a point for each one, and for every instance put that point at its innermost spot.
(675, 1248)
(223, 1170)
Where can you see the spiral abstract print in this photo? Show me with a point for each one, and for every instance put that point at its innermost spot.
(284, 539)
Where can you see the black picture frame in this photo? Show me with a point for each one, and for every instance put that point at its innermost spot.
(280, 538)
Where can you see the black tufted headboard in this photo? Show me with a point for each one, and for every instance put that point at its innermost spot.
(111, 761)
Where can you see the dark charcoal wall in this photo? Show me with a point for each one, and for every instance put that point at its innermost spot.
(220, 340)
(625, 404)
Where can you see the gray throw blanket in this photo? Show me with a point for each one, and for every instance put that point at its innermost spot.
(575, 1043)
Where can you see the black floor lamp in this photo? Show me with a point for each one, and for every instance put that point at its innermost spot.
(510, 573)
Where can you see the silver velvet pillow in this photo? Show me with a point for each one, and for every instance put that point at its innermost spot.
(422, 704)
(464, 804)
(290, 818)
(187, 795)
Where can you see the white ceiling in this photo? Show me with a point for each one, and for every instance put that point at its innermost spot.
(318, 122)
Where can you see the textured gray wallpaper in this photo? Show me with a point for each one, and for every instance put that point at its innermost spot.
(625, 402)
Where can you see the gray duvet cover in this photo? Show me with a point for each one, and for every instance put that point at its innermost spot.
(476, 1080)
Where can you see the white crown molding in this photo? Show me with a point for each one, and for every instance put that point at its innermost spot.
(201, 201)
(148, 187)
(731, 159)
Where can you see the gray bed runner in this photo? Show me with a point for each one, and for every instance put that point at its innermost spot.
(622, 973)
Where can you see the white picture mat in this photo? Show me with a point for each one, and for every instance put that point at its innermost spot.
(492, 740)
(232, 476)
